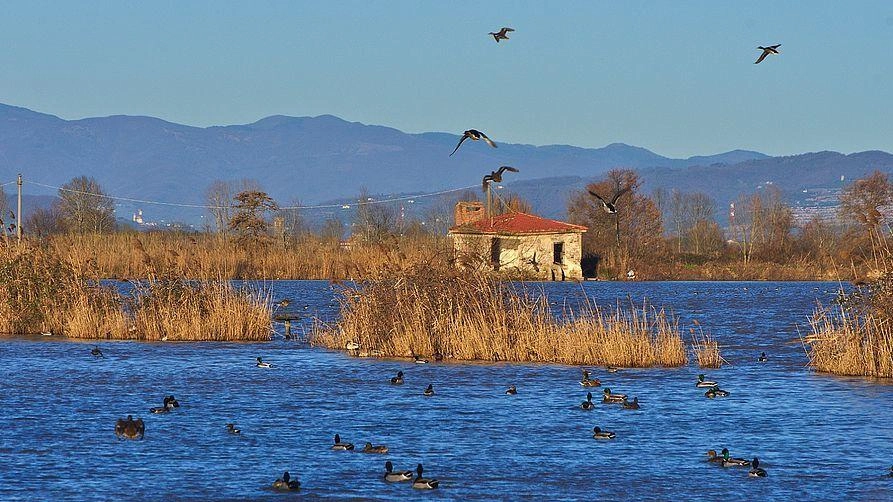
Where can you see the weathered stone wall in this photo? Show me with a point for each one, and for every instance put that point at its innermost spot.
(532, 255)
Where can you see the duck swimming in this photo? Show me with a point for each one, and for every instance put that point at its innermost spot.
(422, 483)
(285, 483)
(713, 457)
(231, 428)
(728, 461)
(166, 407)
(368, 448)
(763, 358)
(588, 382)
(597, 433)
(395, 477)
(261, 364)
(702, 383)
(715, 391)
(339, 446)
(397, 380)
(631, 405)
(97, 352)
(587, 404)
(612, 369)
(756, 471)
(419, 360)
(612, 398)
(429, 391)
(129, 428)
(511, 390)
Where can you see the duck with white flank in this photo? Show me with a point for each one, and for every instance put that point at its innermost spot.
(611, 398)
(231, 428)
(395, 477)
(702, 383)
(429, 391)
(423, 483)
(339, 446)
(597, 433)
(715, 391)
(511, 390)
(397, 380)
(589, 382)
(756, 471)
(262, 364)
(728, 461)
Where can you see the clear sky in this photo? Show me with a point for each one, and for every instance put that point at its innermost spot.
(676, 77)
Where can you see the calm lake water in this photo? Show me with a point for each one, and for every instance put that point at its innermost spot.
(819, 437)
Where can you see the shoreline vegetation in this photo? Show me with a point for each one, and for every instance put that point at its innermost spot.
(474, 317)
(132, 256)
(856, 338)
(41, 292)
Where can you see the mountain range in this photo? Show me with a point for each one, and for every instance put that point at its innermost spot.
(325, 158)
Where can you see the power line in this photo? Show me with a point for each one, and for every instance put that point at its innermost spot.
(205, 206)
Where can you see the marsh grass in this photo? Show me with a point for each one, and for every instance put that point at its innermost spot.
(433, 313)
(706, 348)
(211, 257)
(40, 291)
(844, 343)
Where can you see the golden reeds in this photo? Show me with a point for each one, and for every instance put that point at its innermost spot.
(473, 317)
(204, 256)
(39, 292)
(706, 348)
(848, 344)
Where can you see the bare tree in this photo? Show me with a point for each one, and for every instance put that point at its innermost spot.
(42, 222)
(219, 196)
(84, 207)
(373, 221)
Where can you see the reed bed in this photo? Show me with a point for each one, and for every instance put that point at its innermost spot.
(844, 343)
(706, 348)
(457, 316)
(42, 292)
(205, 256)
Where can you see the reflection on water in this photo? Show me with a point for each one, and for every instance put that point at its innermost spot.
(819, 437)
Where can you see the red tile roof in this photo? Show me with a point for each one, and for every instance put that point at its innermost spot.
(516, 223)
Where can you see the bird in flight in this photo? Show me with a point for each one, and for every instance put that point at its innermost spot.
(497, 175)
(610, 207)
(501, 34)
(772, 49)
(473, 135)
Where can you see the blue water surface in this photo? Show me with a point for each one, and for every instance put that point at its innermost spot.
(819, 437)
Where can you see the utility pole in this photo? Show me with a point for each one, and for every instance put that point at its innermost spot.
(19, 210)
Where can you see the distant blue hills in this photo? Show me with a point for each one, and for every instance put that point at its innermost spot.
(316, 159)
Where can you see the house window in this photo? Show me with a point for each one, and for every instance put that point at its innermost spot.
(558, 252)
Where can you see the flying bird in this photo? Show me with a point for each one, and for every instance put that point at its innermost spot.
(473, 135)
(501, 34)
(772, 49)
(610, 207)
(496, 175)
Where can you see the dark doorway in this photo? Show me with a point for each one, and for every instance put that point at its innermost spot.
(589, 264)
(495, 252)
(558, 253)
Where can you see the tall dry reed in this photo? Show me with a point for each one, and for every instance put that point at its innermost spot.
(40, 291)
(473, 317)
(845, 343)
(706, 348)
(204, 256)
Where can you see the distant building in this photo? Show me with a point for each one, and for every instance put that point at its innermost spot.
(138, 217)
(525, 243)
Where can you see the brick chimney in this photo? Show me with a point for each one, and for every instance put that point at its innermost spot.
(468, 212)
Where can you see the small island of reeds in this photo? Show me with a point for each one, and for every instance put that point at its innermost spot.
(468, 316)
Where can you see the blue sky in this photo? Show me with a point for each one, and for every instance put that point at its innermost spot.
(675, 77)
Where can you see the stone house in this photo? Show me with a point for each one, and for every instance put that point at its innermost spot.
(517, 242)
